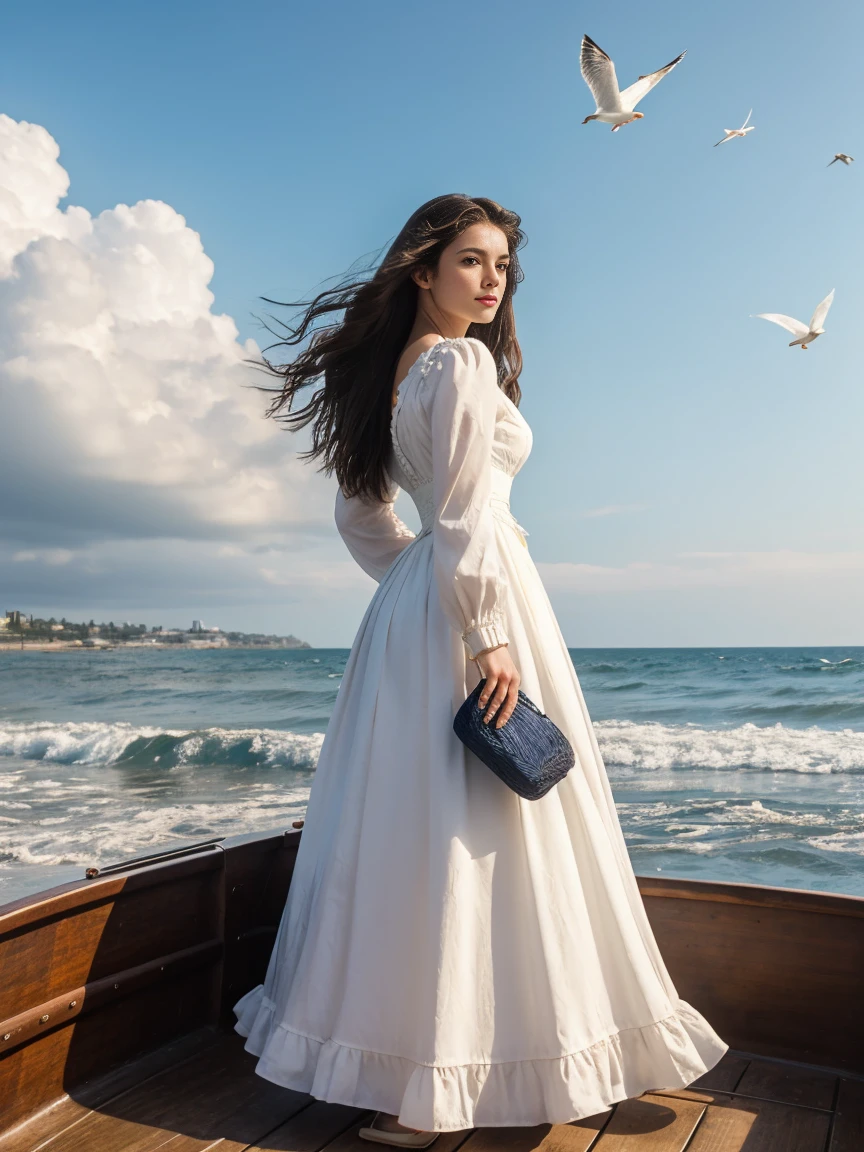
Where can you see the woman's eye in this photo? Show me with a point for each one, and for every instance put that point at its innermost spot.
(467, 258)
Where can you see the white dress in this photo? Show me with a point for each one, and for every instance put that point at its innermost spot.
(450, 952)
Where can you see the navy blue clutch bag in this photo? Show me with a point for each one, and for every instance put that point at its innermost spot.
(529, 753)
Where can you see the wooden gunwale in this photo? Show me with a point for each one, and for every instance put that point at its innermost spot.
(755, 895)
(55, 902)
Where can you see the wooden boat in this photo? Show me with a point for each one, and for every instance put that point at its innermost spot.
(116, 1033)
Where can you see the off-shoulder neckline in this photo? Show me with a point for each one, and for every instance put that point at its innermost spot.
(421, 356)
(400, 391)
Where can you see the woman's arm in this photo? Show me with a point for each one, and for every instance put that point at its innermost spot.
(470, 581)
(372, 531)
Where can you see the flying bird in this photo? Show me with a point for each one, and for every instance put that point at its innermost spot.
(613, 106)
(731, 133)
(841, 156)
(804, 334)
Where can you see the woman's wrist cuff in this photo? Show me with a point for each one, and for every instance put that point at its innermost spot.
(486, 636)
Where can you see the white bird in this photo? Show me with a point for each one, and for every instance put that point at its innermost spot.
(613, 106)
(731, 133)
(841, 156)
(804, 334)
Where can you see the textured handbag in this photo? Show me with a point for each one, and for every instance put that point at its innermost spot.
(529, 753)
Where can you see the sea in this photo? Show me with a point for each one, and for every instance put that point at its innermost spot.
(731, 764)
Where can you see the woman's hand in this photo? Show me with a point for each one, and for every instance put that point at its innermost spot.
(502, 684)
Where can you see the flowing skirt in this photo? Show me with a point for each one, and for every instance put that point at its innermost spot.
(449, 952)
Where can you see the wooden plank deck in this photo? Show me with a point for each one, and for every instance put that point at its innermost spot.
(202, 1094)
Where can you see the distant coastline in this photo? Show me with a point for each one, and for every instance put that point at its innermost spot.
(22, 633)
(189, 646)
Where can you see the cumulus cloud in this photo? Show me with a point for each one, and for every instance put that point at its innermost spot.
(124, 389)
(136, 464)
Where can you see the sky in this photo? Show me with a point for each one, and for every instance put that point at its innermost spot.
(693, 481)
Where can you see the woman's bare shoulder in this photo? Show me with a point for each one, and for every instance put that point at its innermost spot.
(417, 348)
(412, 354)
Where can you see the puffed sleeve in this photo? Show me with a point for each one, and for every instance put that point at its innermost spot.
(470, 581)
(372, 531)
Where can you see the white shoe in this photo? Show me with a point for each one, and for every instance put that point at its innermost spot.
(415, 1138)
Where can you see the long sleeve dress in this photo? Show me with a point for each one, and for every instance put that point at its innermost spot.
(449, 952)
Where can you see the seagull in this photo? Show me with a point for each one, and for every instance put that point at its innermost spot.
(804, 334)
(841, 156)
(731, 133)
(615, 107)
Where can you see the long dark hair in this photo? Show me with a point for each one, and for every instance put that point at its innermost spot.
(356, 357)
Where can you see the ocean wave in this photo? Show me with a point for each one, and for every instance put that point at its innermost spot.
(687, 816)
(849, 711)
(94, 743)
(626, 746)
(691, 825)
(851, 842)
(653, 747)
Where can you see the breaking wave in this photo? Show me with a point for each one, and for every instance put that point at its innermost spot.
(626, 746)
(663, 747)
(100, 743)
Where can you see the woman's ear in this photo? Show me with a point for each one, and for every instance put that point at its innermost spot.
(422, 277)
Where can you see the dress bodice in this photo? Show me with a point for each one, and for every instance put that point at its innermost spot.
(411, 462)
(457, 443)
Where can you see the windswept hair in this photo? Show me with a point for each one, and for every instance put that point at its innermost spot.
(355, 357)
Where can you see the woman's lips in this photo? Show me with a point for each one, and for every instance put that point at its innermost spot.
(487, 300)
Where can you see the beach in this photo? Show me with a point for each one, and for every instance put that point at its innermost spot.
(726, 764)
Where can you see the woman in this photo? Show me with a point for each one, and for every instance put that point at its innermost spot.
(451, 955)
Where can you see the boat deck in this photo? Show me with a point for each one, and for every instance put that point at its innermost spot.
(201, 1093)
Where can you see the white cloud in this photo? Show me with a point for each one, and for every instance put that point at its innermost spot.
(116, 374)
(51, 556)
(702, 570)
(341, 575)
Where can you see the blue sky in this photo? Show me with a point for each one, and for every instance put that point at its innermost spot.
(667, 422)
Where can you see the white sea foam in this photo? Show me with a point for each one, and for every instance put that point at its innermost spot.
(129, 831)
(93, 743)
(71, 743)
(840, 842)
(658, 747)
(720, 813)
(723, 825)
(626, 747)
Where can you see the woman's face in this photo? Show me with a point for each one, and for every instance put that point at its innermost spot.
(471, 276)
